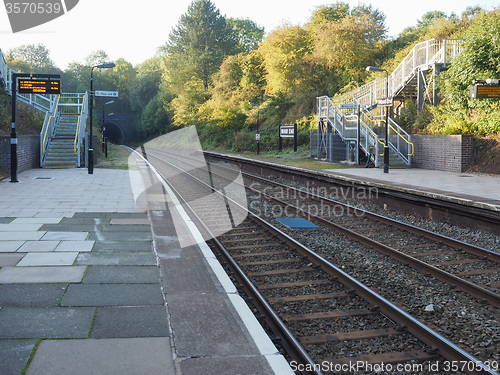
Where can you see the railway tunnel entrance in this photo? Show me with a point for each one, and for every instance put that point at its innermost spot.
(119, 129)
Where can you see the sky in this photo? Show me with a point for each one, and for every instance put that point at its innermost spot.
(133, 29)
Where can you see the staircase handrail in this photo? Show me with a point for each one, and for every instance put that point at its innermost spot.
(80, 129)
(421, 57)
(48, 129)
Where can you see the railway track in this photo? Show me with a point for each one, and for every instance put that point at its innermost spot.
(325, 310)
(471, 268)
(427, 206)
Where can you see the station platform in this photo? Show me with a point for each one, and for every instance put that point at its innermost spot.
(94, 282)
(469, 189)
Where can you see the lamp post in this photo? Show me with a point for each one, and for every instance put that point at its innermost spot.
(90, 147)
(386, 146)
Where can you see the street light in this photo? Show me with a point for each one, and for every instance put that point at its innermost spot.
(90, 147)
(386, 146)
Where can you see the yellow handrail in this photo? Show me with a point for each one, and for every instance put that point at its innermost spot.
(404, 139)
(76, 134)
(48, 125)
(78, 127)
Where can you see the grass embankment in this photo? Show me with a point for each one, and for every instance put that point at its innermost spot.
(300, 158)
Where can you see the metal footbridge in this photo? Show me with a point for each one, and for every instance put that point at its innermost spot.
(63, 133)
(357, 119)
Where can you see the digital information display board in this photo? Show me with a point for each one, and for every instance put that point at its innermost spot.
(484, 92)
(39, 86)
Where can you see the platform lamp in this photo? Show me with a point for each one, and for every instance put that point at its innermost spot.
(90, 147)
(386, 147)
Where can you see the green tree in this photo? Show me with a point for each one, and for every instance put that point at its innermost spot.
(479, 59)
(247, 33)
(30, 58)
(202, 39)
(430, 18)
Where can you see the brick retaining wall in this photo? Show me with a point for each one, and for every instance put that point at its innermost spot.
(452, 153)
(28, 152)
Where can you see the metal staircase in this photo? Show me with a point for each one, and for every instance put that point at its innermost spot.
(63, 132)
(357, 118)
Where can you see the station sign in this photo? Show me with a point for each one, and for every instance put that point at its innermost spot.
(39, 86)
(109, 94)
(287, 131)
(384, 102)
(348, 106)
(484, 92)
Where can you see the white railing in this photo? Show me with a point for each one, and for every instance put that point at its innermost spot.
(422, 57)
(346, 126)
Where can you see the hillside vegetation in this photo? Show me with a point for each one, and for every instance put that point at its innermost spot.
(230, 77)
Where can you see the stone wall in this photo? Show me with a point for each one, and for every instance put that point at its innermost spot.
(452, 153)
(28, 152)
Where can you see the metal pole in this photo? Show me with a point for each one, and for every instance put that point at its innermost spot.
(386, 147)
(90, 149)
(358, 135)
(13, 134)
(295, 137)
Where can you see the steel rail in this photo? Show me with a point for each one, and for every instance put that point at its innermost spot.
(446, 348)
(475, 250)
(464, 285)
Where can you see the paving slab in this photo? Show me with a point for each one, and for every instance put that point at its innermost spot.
(183, 275)
(130, 221)
(250, 365)
(68, 227)
(21, 236)
(132, 356)
(38, 246)
(7, 260)
(141, 246)
(120, 236)
(75, 246)
(126, 228)
(19, 227)
(10, 246)
(196, 317)
(48, 259)
(130, 321)
(30, 275)
(31, 295)
(51, 322)
(65, 236)
(122, 275)
(112, 295)
(116, 259)
(37, 220)
(14, 355)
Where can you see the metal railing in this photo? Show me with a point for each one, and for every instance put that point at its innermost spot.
(81, 127)
(346, 126)
(48, 130)
(422, 57)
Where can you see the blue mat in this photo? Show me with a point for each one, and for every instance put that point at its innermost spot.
(296, 223)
